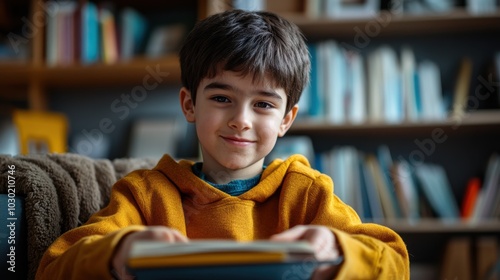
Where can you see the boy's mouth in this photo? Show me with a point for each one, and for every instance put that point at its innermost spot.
(237, 141)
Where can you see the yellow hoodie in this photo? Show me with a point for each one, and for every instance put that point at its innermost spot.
(289, 193)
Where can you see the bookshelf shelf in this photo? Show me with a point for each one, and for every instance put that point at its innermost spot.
(122, 73)
(391, 24)
(14, 73)
(470, 122)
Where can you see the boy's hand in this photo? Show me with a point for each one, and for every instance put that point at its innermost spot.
(159, 233)
(323, 241)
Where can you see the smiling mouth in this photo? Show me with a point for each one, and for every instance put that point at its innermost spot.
(237, 141)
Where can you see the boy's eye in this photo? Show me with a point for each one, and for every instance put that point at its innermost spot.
(264, 105)
(221, 99)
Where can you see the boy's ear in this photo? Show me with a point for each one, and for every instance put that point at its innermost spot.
(187, 104)
(287, 121)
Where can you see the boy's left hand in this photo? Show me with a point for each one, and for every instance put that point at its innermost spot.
(323, 241)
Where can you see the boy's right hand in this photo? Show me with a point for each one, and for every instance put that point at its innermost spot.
(159, 233)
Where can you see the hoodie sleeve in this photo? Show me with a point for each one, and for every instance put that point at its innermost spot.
(371, 251)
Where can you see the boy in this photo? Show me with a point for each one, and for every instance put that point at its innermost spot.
(242, 75)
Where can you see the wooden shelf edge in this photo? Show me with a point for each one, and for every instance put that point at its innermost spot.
(162, 71)
(472, 119)
(388, 24)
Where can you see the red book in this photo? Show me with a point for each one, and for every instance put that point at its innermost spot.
(470, 198)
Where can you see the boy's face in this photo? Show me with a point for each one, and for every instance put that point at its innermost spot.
(238, 122)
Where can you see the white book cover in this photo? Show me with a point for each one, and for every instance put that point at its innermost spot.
(375, 98)
(357, 111)
(408, 70)
(392, 94)
(406, 190)
(338, 173)
(490, 187)
(431, 91)
(335, 82)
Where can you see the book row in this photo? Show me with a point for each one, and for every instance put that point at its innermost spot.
(380, 188)
(91, 32)
(383, 86)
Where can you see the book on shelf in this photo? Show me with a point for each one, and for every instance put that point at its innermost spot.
(406, 190)
(409, 80)
(221, 259)
(457, 261)
(436, 187)
(470, 198)
(351, 9)
(90, 38)
(462, 86)
(487, 252)
(373, 208)
(60, 34)
(133, 32)
(290, 145)
(381, 86)
(420, 7)
(430, 91)
(110, 52)
(489, 195)
(380, 188)
(481, 6)
(165, 40)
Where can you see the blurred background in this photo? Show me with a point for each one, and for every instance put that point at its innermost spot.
(402, 110)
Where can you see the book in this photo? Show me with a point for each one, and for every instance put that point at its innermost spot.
(133, 32)
(351, 9)
(356, 103)
(388, 207)
(110, 52)
(221, 259)
(290, 145)
(165, 40)
(437, 189)
(392, 94)
(90, 34)
(457, 259)
(486, 257)
(462, 86)
(375, 92)
(406, 190)
(489, 193)
(374, 206)
(470, 198)
(335, 79)
(431, 91)
(409, 81)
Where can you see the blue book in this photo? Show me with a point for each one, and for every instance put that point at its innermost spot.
(90, 49)
(315, 103)
(133, 32)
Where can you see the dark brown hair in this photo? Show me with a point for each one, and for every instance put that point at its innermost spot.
(256, 43)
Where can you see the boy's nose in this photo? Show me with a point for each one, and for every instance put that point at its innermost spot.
(241, 119)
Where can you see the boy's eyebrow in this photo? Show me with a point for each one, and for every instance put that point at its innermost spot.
(223, 86)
